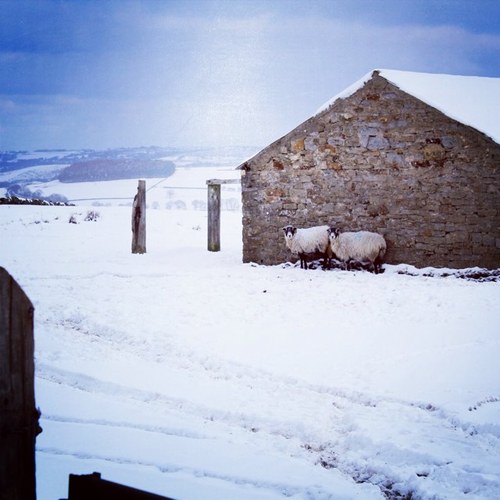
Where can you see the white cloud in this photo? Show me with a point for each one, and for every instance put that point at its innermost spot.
(166, 77)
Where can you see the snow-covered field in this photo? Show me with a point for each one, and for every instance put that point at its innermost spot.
(186, 189)
(189, 374)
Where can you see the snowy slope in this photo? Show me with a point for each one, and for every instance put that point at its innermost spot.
(471, 100)
(27, 174)
(190, 374)
(185, 188)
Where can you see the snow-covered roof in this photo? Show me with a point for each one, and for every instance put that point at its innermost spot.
(471, 100)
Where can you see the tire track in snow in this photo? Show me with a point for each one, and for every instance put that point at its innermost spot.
(281, 489)
(166, 350)
(343, 415)
(156, 429)
(104, 274)
(326, 433)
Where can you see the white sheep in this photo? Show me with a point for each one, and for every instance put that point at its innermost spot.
(361, 246)
(308, 243)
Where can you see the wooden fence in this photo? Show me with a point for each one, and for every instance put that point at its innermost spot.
(18, 413)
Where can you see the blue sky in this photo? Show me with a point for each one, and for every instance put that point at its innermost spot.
(101, 74)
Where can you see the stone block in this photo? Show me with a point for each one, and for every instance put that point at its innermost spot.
(298, 145)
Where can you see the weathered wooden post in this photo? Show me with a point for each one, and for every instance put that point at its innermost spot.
(18, 414)
(91, 486)
(214, 190)
(213, 215)
(139, 219)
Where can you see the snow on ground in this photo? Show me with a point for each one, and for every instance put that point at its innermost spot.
(189, 374)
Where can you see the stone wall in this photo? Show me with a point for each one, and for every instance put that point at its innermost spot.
(384, 161)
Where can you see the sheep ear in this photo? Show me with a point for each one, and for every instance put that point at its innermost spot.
(294, 230)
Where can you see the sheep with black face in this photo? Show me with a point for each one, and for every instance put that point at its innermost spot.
(308, 243)
(359, 246)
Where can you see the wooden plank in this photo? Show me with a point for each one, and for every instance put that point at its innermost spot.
(139, 219)
(18, 413)
(223, 181)
(214, 217)
(93, 487)
(5, 287)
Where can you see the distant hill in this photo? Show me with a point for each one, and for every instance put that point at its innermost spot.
(107, 169)
(58, 176)
(19, 169)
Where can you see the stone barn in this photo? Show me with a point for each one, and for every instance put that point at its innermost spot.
(413, 156)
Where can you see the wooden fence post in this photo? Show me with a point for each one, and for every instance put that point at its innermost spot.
(214, 192)
(18, 414)
(139, 219)
(213, 216)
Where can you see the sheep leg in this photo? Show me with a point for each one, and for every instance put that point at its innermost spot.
(326, 261)
(303, 261)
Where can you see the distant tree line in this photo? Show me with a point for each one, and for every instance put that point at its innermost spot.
(17, 194)
(108, 169)
(14, 200)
